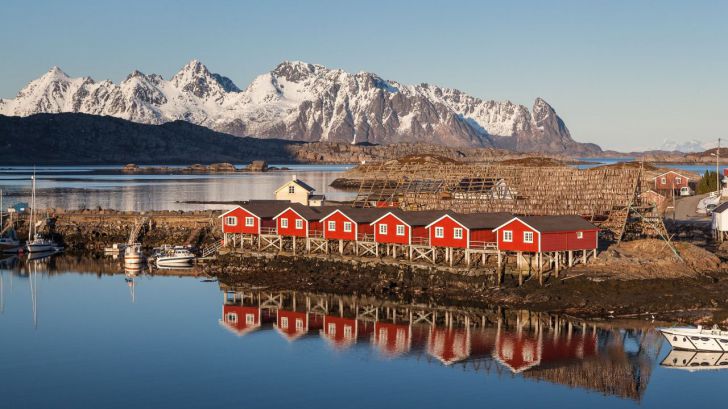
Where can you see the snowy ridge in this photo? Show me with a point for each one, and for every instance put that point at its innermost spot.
(309, 102)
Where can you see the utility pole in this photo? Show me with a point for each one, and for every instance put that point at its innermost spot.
(717, 169)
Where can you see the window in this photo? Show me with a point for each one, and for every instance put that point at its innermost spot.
(299, 224)
(249, 319)
(347, 227)
(439, 232)
(663, 180)
(382, 229)
(291, 189)
(231, 317)
(284, 222)
(284, 322)
(400, 230)
(507, 236)
(457, 233)
(231, 221)
(347, 331)
(678, 180)
(249, 221)
(332, 226)
(332, 329)
(528, 237)
(299, 324)
(580, 235)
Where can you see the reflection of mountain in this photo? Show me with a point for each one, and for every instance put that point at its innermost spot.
(535, 346)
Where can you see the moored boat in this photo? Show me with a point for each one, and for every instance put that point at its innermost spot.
(697, 339)
(133, 254)
(695, 361)
(9, 244)
(175, 257)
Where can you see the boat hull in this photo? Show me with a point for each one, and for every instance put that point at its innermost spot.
(174, 261)
(695, 361)
(696, 340)
(39, 248)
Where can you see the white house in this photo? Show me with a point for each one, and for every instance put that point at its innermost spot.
(297, 191)
(720, 221)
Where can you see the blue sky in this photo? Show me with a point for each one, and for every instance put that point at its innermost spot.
(623, 74)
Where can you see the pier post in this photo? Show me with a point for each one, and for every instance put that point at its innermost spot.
(294, 245)
(341, 247)
(571, 258)
(583, 257)
(539, 259)
(556, 263)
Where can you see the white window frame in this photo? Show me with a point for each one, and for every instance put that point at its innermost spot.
(528, 237)
(678, 180)
(663, 180)
(299, 324)
(284, 322)
(400, 230)
(231, 221)
(457, 233)
(250, 319)
(580, 235)
(332, 225)
(231, 317)
(291, 189)
(347, 227)
(299, 224)
(284, 222)
(439, 232)
(348, 332)
(508, 236)
(382, 228)
(249, 221)
(331, 330)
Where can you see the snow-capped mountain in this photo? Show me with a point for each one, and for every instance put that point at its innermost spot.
(307, 102)
(689, 146)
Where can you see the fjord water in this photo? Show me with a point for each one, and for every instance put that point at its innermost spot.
(89, 187)
(75, 334)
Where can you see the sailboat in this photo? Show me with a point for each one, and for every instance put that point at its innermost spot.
(36, 242)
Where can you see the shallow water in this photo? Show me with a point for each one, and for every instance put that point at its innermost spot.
(76, 335)
(88, 187)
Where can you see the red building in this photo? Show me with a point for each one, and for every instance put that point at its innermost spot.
(534, 234)
(671, 181)
(253, 217)
(392, 339)
(239, 319)
(292, 324)
(474, 230)
(399, 227)
(517, 351)
(350, 223)
(449, 345)
(298, 220)
(340, 331)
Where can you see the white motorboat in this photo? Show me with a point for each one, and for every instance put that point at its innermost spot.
(697, 339)
(175, 257)
(133, 254)
(695, 361)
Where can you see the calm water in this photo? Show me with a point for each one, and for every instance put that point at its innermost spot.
(79, 187)
(81, 337)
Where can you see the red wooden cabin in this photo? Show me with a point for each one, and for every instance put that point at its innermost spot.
(533, 234)
(400, 227)
(253, 217)
(292, 324)
(350, 223)
(392, 339)
(517, 351)
(239, 319)
(671, 180)
(473, 230)
(339, 331)
(298, 220)
(449, 345)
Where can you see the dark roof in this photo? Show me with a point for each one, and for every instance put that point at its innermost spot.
(547, 224)
(481, 220)
(419, 218)
(316, 197)
(303, 184)
(721, 208)
(363, 214)
(310, 213)
(266, 209)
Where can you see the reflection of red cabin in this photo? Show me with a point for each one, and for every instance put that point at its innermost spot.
(472, 230)
(671, 181)
(449, 345)
(399, 227)
(547, 233)
(565, 348)
(292, 324)
(350, 223)
(517, 351)
(392, 339)
(239, 319)
(300, 221)
(482, 343)
(340, 331)
(251, 217)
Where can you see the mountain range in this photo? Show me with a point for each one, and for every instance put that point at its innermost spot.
(306, 102)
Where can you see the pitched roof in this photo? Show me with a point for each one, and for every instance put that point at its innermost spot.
(419, 218)
(298, 182)
(547, 224)
(317, 197)
(266, 209)
(309, 213)
(721, 208)
(481, 220)
(363, 214)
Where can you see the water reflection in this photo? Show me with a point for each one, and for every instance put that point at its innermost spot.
(104, 186)
(614, 361)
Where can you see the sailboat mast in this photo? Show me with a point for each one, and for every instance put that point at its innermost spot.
(32, 206)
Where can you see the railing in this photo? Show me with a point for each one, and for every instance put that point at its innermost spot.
(268, 230)
(421, 241)
(365, 237)
(316, 234)
(212, 248)
(483, 245)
